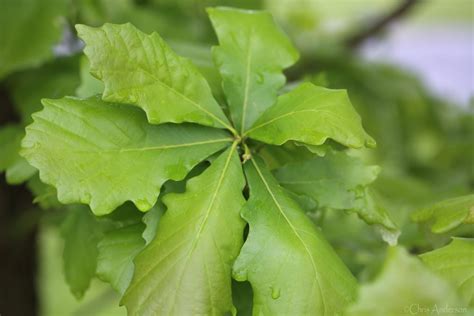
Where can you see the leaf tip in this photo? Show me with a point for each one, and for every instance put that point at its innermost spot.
(82, 29)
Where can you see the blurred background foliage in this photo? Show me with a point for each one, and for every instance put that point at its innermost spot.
(425, 135)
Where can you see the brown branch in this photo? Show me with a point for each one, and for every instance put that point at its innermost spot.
(381, 23)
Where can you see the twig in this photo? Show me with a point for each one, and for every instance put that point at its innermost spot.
(381, 23)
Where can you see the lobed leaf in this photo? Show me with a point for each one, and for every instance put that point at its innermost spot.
(81, 232)
(339, 181)
(142, 70)
(331, 180)
(292, 269)
(116, 251)
(311, 115)
(251, 56)
(186, 269)
(105, 154)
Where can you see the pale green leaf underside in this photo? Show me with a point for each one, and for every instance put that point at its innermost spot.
(142, 70)
(371, 210)
(455, 263)
(28, 31)
(404, 283)
(311, 115)
(186, 269)
(447, 214)
(331, 180)
(339, 181)
(117, 249)
(105, 154)
(292, 269)
(251, 55)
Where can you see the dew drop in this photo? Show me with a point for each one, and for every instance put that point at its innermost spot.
(275, 293)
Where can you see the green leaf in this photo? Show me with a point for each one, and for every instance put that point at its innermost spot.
(331, 180)
(16, 167)
(371, 210)
(278, 156)
(405, 286)
(105, 154)
(201, 56)
(455, 263)
(29, 29)
(292, 269)
(186, 270)
(251, 55)
(142, 70)
(45, 195)
(81, 232)
(117, 250)
(448, 214)
(20, 171)
(339, 181)
(311, 115)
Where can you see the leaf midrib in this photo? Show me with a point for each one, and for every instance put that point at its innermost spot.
(316, 272)
(247, 81)
(192, 102)
(291, 113)
(204, 221)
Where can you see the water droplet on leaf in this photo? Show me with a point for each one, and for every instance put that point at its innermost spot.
(275, 293)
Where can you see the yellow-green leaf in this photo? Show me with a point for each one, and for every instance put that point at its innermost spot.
(251, 56)
(291, 267)
(186, 269)
(311, 115)
(142, 70)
